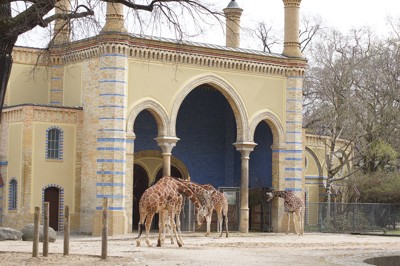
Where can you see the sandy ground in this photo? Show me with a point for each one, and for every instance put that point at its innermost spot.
(238, 249)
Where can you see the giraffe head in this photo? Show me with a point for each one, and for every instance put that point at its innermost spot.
(206, 202)
(270, 196)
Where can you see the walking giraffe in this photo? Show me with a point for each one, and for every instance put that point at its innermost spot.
(218, 202)
(292, 204)
(165, 195)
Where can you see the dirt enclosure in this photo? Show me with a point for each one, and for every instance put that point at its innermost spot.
(238, 249)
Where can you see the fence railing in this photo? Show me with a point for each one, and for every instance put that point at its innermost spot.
(353, 217)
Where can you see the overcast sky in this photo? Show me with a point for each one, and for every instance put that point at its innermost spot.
(340, 14)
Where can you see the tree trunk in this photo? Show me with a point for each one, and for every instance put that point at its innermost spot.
(7, 42)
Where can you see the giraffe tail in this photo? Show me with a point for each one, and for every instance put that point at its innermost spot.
(140, 230)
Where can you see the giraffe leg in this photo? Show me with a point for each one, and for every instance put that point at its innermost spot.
(173, 225)
(295, 219)
(225, 217)
(147, 226)
(288, 223)
(161, 224)
(220, 221)
(178, 226)
(301, 221)
(208, 218)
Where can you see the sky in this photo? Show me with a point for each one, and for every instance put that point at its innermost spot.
(340, 14)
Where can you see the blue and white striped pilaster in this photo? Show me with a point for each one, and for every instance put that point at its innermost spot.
(111, 136)
(293, 171)
(57, 85)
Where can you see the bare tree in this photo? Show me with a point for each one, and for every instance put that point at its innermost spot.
(266, 36)
(309, 28)
(18, 17)
(351, 93)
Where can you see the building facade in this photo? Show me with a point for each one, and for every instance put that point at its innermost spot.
(109, 115)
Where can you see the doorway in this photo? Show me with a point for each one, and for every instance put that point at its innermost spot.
(52, 195)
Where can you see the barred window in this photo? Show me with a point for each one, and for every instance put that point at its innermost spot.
(12, 197)
(54, 143)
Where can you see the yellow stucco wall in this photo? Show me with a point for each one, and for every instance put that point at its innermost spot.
(59, 172)
(163, 81)
(73, 85)
(29, 84)
(14, 157)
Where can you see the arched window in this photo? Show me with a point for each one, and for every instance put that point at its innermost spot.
(54, 143)
(12, 195)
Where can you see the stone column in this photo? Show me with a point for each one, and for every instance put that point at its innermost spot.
(130, 138)
(61, 27)
(291, 43)
(114, 18)
(278, 183)
(245, 148)
(232, 14)
(167, 144)
(112, 142)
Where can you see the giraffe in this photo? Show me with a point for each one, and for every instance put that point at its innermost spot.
(292, 204)
(167, 224)
(220, 204)
(164, 195)
(217, 202)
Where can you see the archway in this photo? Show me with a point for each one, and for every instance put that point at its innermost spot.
(206, 127)
(140, 184)
(260, 178)
(52, 195)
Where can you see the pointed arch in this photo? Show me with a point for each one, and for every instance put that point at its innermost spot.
(273, 122)
(223, 87)
(155, 108)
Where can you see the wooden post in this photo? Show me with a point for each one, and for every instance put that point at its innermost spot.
(104, 230)
(46, 230)
(35, 249)
(66, 230)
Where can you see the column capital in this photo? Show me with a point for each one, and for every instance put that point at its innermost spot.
(166, 143)
(245, 148)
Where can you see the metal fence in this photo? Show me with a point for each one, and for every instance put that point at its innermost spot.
(353, 217)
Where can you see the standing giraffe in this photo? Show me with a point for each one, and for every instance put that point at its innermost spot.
(165, 195)
(217, 202)
(220, 204)
(292, 204)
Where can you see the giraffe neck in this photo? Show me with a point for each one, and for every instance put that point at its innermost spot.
(280, 194)
(185, 190)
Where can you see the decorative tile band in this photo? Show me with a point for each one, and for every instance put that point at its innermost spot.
(299, 179)
(111, 140)
(110, 149)
(288, 151)
(113, 55)
(111, 208)
(111, 81)
(111, 196)
(110, 184)
(293, 159)
(113, 68)
(110, 173)
(112, 95)
(293, 189)
(110, 161)
(293, 169)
